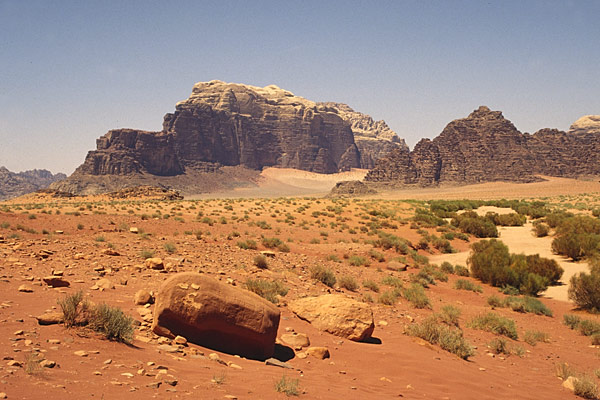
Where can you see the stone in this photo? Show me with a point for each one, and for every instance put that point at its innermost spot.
(81, 353)
(570, 382)
(47, 364)
(25, 289)
(51, 318)
(105, 284)
(56, 281)
(154, 263)
(3, 395)
(336, 314)
(133, 229)
(218, 316)
(396, 266)
(142, 297)
(318, 352)
(296, 339)
(110, 252)
(180, 340)
(276, 363)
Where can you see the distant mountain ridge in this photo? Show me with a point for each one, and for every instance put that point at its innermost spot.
(486, 147)
(228, 127)
(15, 184)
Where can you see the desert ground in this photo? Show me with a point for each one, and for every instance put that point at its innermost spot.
(89, 241)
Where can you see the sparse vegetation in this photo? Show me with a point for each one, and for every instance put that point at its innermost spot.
(323, 275)
(267, 289)
(448, 338)
(112, 322)
(464, 284)
(495, 323)
(287, 386)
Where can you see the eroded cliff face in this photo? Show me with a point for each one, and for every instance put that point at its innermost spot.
(15, 184)
(227, 124)
(487, 147)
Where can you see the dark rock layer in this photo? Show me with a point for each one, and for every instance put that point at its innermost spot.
(13, 184)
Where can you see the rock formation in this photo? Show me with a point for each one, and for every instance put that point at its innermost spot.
(216, 315)
(234, 125)
(487, 147)
(374, 139)
(17, 184)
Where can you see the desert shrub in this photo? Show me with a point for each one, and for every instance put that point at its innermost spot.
(371, 285)
(540, 229)
(588, 328)
(357, 261)
(428, 220)
(323, 275)
(495, 323)
(495, 301)
(447, 267)
(461, 270)
(464, 284)
(348, 282)
(415, 294)
(449, 315)
(170, 248)
(112, 322)
(377, 256)
(389, 297)
(248, 244)
(572, 321)
(261, 261)
(443, 245)
(525, 304)
(533, 337)
(564, 370)
(271, 243)
(392, 281)
(146, 253)
(448, 338)
(266, 289)
(284, 248)
(585, 387)
(512, 219)
(499, 346)
(577, 237)
(584, 290)
(389, 241)
(287, 386)
(491, 263)
(73, 308)
(470, 222)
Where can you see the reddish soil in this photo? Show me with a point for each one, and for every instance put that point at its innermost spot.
(399, 366)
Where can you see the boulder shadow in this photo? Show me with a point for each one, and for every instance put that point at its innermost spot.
(372, 340)
(283, 353)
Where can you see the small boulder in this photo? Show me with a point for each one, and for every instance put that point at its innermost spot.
(143, 297)
(295, 339)
(154, 263)
(318, 352)
(25, 289)
(56, 281)
(216, 315)
(105, 284)
(570, 382)
(336, 314)
(396, 266)
(51, 318)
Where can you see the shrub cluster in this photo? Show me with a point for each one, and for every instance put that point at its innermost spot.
(266, 289)
(577, 237)
(470, 222)
(491, 263)
(494, 323)
(525, 304)
(323, 275)
(447, 337)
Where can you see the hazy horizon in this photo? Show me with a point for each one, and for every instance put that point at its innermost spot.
(72, 71)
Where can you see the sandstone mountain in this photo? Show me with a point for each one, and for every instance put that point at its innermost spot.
(373, 138)
(485, 147)
(15, 184)
(232, 125)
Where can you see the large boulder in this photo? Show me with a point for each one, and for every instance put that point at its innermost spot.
(336, 314)
(216, 315)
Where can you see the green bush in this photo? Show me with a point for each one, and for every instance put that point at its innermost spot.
(540, 229)
(577, 237)
(267, 289)
(464, 284)
(392, 281)
(371, 285)
(512, 219)
(448, 338)
(261, 261)
(73, 308)
(447, 267)
(323, 275)
(416, 296)
(584, 290)
(247, 244)
(112, 322)
(449, 315)
(495, 323)
(357, 261)
(520, 304)
(499, 346)
(588, 328)
(348, 282)
(271, 243)
(389, 297)
(470, 222)
(461, 270)
(572, 321)
(287, 386)
(491, 263)
(533, 337)
(170, 248)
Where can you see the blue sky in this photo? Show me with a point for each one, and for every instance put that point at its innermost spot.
(72, 70)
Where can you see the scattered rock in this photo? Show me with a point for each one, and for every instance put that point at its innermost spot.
(570, 382)
(318, 352)
(336, 314)
(276, 363)
(396, 266)
(81, 353)
(143, 297)
(51, 318)
(296, 339)
(217, 316)
(25, 289)
(47, 364)
(154, 263)
(56, 281)
(110, 252)
(105, 284)
(133, 229)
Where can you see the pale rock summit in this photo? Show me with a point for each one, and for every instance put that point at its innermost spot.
(586, 124)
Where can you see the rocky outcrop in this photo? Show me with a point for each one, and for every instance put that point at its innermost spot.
(351, 189)
(229, 125)
(216, 315)
(17, 184)
(374, 139)
(486, 147)
(336, 314)
(586, 124)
